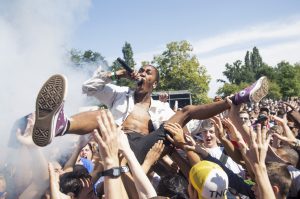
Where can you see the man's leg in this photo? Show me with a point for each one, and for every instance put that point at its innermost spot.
(50, 120)
(253, 93)
(198, 112)
(83, 123)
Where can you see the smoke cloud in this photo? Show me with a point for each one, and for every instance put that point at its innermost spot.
(35, 39)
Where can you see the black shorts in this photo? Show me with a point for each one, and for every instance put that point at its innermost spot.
(141, 144)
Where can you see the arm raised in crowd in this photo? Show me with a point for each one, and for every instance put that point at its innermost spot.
(150, 159)
(40, 175)
(234, 117)
(142, 183)
(256, 156)
(232, 151)
(54, 184)
(290, 138)
(178, 139)
(108, 149)
(153, 155)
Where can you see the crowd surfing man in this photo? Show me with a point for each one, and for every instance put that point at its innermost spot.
(140, 117)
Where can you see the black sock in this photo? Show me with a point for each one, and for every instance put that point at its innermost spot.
(68, 127)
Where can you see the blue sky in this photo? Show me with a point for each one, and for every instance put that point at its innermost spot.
(220, 31)
(148, 25)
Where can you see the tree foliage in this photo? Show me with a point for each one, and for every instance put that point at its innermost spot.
(180, 70)
(284, 78)
(227, 89)
(287, 79)
(81, 59)
(128, 58)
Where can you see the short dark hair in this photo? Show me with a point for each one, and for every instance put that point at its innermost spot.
(70, 182)
(173, 186)
(279, 175)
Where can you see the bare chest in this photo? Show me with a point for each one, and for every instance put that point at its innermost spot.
(139, 119)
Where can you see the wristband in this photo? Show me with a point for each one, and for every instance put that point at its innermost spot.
(113, 76)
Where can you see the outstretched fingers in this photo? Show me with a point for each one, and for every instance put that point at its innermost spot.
(98, 138)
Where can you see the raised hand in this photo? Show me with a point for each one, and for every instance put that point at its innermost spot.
(163, 97)
(176, 131)
(278, 120)
(108, 141)
(124, 146)
(291, 141)
(26, 137)
(218, 127)
(54, 184)
(155, 152)
(293, 105)
(232, 131)
(153, 155)
(257, 150)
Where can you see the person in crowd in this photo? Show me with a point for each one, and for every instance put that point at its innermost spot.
(244, 116)
(210, 134)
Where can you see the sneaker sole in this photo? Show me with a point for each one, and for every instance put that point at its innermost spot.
(261, 91)
(50, 97)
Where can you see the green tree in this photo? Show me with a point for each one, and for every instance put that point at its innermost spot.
(128, 58)
(253, 68)
(128, 55)
(180, 70)
(247, 61)
(233, 72)
(274, 91)
(144, 63)
(256, 62)
(287, 79)
(228, 89)
(86, 59)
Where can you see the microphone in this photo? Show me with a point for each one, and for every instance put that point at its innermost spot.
(124, 65)
(128, 69)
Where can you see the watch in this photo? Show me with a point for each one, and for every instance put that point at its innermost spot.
(124, 169)
(113, 172)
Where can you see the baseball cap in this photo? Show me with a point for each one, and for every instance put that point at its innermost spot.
(209, 180)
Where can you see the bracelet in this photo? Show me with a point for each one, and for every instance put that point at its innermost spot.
(113, 76)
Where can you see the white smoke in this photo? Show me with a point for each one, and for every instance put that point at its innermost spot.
(35, 38)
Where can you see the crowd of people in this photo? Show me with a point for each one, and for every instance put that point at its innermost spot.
(242, 146)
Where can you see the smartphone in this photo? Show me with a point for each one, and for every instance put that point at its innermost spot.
(261, 119)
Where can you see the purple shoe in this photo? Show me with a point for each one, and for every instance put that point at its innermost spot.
(253, 93)
(50, 120)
